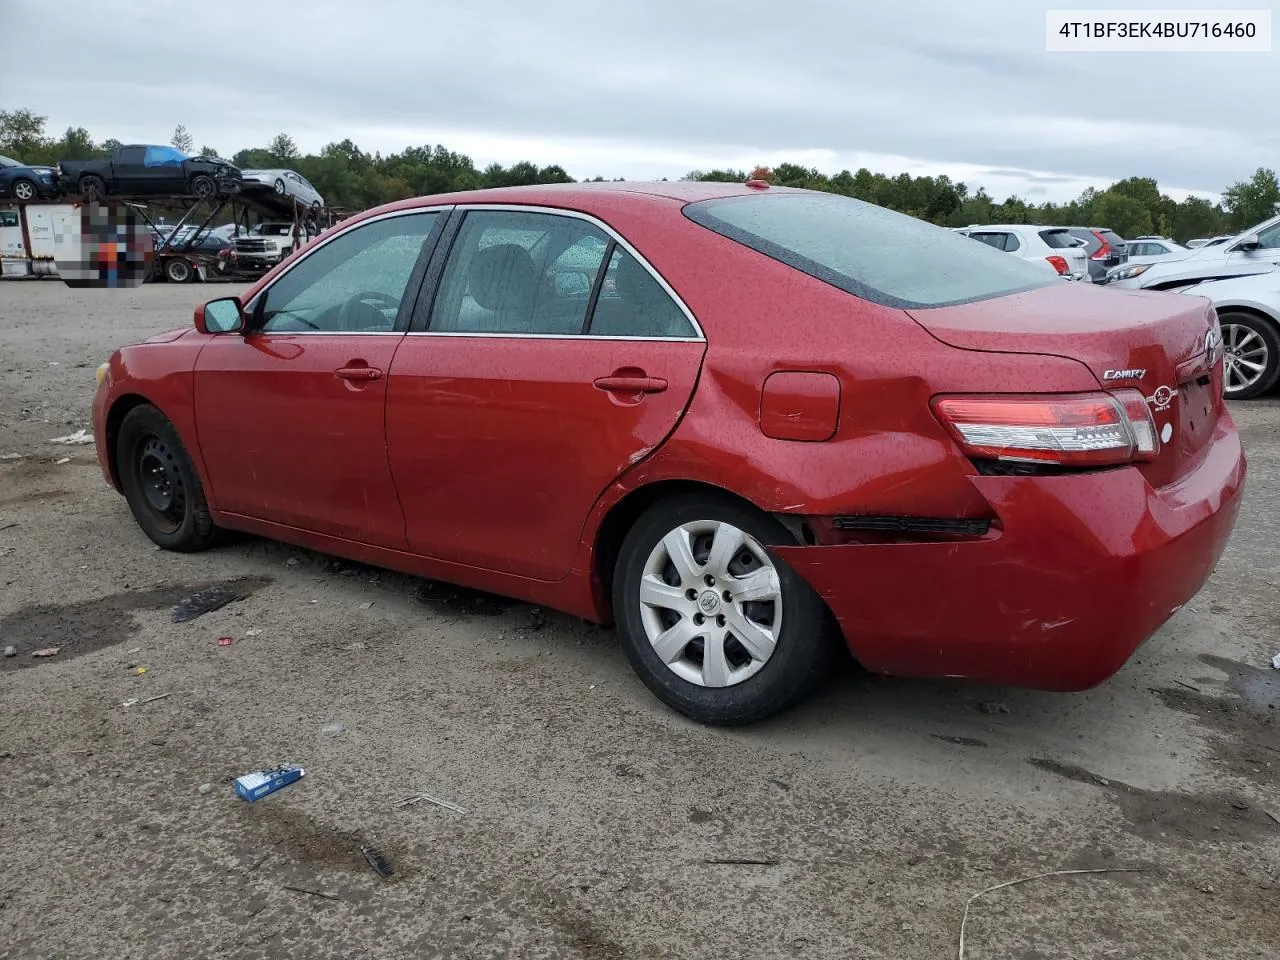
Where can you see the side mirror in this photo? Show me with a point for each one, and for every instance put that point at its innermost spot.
(1251, 242)
(220, 316)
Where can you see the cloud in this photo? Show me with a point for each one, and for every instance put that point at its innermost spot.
(654, 89)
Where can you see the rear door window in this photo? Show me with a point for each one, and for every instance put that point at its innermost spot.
(873, 253)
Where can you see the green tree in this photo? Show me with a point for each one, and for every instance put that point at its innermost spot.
(1254, 200)
(208, 151)
(182, 140)
(22, 135)
(1122, 213)
(283, 148)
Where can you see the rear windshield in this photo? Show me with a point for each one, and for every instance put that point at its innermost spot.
(873, 253)
(1113, 238)
(1061, 239)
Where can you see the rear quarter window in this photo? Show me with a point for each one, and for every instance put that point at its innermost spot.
(1060, 239)
(873, 253)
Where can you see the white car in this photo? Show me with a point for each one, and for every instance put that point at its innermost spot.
(1054, 248)
(287, 183)
(1257, 250)
(1154, 250)
(1249, 314)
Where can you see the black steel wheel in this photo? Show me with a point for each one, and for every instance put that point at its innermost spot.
(163, 490)
(202, 186)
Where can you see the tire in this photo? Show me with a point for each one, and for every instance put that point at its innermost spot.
(24, 189)
(1248, 339)
(169, 505)
(740, 687)
(202, 186)
(177, 270)
(280, 187)
(92, 187)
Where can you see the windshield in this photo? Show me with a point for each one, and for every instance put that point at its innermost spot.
(873, 253)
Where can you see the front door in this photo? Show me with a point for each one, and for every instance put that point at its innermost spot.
(551, 361)
(291, 416)
(1262, 259)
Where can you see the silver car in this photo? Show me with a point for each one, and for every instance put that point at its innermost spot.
(1249, 314)
(1257, 250)
(287, 183)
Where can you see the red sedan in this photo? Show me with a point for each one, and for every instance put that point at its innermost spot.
(723, 417)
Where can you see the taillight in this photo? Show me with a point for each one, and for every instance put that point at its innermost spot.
(1060, 264)
(1104, 251)
(1077, 430)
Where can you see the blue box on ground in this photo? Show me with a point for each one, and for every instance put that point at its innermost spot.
(254, 786)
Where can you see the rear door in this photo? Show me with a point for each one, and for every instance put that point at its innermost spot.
(549, 360)
(290, 417)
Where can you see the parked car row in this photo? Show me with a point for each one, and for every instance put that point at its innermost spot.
(1076, 253)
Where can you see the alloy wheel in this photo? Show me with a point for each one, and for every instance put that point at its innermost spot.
(1247, 357)
(711, 603)
(23, 190)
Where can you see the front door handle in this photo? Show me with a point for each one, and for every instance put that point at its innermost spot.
(358, 374)
(631, 384)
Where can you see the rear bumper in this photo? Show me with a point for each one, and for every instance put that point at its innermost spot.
(1081, 571)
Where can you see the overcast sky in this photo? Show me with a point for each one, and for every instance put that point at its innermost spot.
(644, 89)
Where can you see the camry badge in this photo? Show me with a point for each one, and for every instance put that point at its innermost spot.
(1161, 399)
(1124, 374)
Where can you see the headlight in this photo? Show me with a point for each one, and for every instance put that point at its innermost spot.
(1128, 273)
(103, 370)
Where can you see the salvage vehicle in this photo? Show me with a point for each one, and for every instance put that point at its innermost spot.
(1255, 251)
(286, 183)
(139, 170)
(770, 412)
(1249, 315)
(268, 243)
(23, 182)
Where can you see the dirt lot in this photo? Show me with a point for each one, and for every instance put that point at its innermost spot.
(592, 811)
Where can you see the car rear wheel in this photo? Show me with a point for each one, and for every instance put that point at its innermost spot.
(24, 190)
(178, 271)
(163, 490)
(715, 625)
(1251, 365)
(202, 186)
(92, 187)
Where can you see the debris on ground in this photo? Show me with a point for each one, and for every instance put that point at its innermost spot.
(139, 671)
(332, 728)
(313, 893)
(134, 701)
(418, 797)
(11, 651)
(252, 633)
(58, 463)
(204, 601)
(964, 921)
(226, 641)
(205, 789)
(376, 860)
(1272, 816)
(744, 861)
(367, 605)
(46, 652)
(1189, 686)
(1275, 662)
(254, 786)
(991, 706)
(11, 456)
(80, 436)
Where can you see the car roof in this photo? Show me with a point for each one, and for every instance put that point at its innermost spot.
(596, 198)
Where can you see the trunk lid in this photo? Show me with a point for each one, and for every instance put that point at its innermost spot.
(1153, 342)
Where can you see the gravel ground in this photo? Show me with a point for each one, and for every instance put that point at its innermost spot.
(878, 809)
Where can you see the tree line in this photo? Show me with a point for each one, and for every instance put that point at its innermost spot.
(351, 179)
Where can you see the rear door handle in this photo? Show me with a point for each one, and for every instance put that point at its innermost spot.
(631, 384)
(358, 374)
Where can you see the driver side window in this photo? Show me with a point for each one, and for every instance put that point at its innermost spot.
(353, 284)
(1269, 239)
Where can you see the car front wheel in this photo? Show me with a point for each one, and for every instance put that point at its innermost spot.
(24, 190)
(715, 625)
(1252, 358)
(162, 487)
(203, 186)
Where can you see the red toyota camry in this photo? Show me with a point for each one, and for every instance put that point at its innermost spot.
(724, 417)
